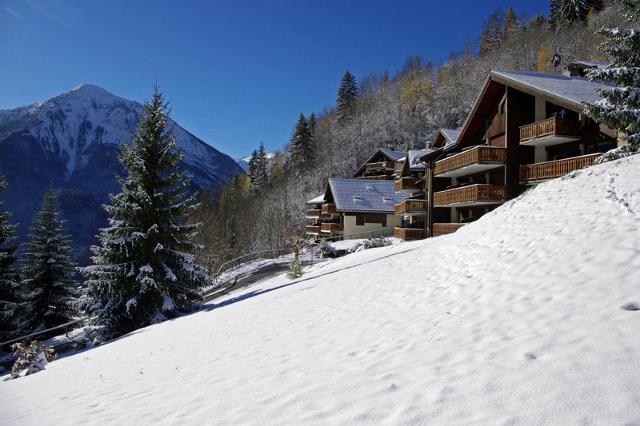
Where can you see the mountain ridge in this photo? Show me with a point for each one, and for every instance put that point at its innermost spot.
(71, 141)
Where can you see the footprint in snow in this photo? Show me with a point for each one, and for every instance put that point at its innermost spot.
(630, 306)
(530, 356)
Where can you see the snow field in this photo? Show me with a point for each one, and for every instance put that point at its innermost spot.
(523, 317)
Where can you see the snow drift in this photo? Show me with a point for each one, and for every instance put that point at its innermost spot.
(526, 316)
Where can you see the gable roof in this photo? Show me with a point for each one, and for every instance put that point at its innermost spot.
(365, 195)
(317, 200)
(451, 135)
(394, 155)
(574, 90)
(389, 154)
(566, 91)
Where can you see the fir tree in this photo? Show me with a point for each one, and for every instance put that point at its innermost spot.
(262, 174)
(48, 272)
(347, 96)
(301, 149)
(312, 124)
(619, 107)
(10, 291)
(568, 12)
(253, 167)
(142, 271)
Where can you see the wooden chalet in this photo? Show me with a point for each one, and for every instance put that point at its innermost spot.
(355, 208)
(525, 127)
(384, 164)
(413, 210)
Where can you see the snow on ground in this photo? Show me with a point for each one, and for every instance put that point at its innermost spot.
(526, 316)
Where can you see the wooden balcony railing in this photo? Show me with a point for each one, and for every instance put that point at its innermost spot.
(406, 183)
(312, 229)
(331, 228)
(554, 169)
(477, 155)
(554, 126)
(328, 209)
(497, 126)
(409, 234)
(445, 228)
(415, 207)
(313, 213)
(470, 195)
(379, 167)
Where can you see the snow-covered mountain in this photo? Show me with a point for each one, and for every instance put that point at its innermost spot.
(72, 141)
(244, 161)
(529, 315)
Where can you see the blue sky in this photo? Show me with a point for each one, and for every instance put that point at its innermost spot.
(236, 72)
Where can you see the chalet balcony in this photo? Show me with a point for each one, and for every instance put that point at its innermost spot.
(313, 213)
(445, 228)
(552, 131)
(411, 208)
(407, 183)
(409, 234)
(312, 229)
(328, 209)
(474, 160)
(553, 169)
(331, 228)
(471, 195)
(379, 167)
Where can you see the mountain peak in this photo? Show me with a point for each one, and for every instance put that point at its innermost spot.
(90, 90)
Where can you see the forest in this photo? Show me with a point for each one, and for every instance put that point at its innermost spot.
(263, 210)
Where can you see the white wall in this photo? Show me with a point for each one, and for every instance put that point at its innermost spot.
(351, 228)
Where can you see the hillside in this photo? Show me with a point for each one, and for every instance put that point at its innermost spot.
(72, 141)
(529, 315)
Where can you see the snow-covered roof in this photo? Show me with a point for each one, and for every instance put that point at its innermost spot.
(394, 155)
(595, 64)
(451, 135)
(317, 200)
(576, 90)
(414, 159)
(365, 195)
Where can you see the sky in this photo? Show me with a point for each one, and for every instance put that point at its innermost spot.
(237, 73)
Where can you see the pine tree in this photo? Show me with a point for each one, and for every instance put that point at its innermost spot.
(619, 107)
(568, 12)
(10, 291)
(492, 35)
(510, 24)
(142, 271)
(312, 124)
(48, 272)
(301, 149)
(253, 167)
(260, 179)
(347, 97)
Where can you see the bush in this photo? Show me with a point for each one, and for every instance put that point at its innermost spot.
(295, 268)
(372, 243)
(30, 358)
(614, 154)
(327, 251)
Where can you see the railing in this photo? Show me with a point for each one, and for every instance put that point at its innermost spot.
(497, 126)
(411, 207)
(380, 166)
(554, 169)
(472, 194)
(477, 155)
(554, 126)
(331, 228)
(445, 228)
(312, 229)
(406, 183)
(409, 234)
(328, 209)
(313, 213)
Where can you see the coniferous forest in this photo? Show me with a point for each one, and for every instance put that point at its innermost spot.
(162, 243)
(401, 110)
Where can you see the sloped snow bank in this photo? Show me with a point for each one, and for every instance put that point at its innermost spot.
(522, 317)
